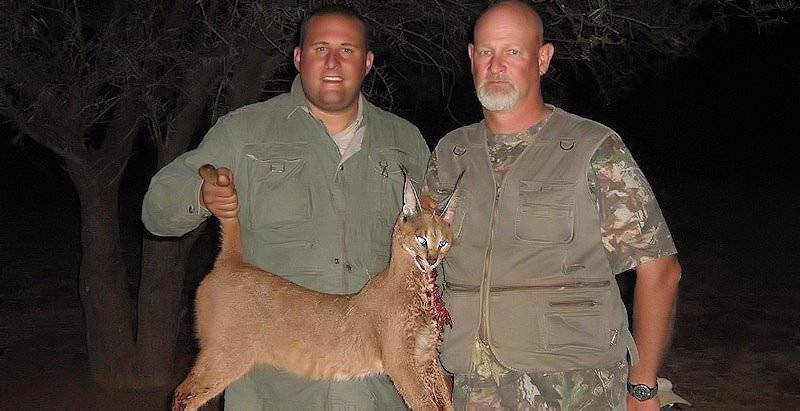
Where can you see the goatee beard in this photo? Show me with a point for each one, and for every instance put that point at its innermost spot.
(497, 100)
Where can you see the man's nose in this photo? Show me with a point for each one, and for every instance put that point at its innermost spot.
(331, 60)
(497, 65)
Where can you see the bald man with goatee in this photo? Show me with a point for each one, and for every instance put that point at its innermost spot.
(554, 207)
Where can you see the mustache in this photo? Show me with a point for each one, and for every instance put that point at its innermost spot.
(495, 78)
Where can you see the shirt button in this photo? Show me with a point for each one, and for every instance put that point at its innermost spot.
(336, 261)
(190, 209)
(349, 267)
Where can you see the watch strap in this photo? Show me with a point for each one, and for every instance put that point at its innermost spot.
(642, 392)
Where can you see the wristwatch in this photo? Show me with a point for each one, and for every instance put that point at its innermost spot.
(642, 392)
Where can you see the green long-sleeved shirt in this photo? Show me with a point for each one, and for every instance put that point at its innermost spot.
(320, 223)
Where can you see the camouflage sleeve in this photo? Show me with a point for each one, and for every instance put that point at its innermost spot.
(632, 226)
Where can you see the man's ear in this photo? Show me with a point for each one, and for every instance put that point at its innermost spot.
(545, 55)
(470, 53)
(297, 54)
(370, 58)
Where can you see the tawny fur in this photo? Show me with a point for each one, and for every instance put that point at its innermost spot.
(247, 316)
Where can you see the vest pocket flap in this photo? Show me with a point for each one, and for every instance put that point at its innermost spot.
(546, 192)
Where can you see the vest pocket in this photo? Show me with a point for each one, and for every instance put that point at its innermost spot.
(545, 212)
(575, 330)
(577, 321)
(515, 321)
(456, 348)
(550, 321)
(280, 192)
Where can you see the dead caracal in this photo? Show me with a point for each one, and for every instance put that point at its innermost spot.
(247, 316)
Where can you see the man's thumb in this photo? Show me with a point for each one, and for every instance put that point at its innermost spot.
(224, 177)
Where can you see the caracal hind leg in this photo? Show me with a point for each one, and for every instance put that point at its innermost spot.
(208, 378)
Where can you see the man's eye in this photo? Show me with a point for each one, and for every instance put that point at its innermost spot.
(347, 51)
(422, 241)
(513, 52)
(484, 52)
(321, 49)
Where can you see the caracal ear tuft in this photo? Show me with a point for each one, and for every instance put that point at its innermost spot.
(447, 208)
(410, 199)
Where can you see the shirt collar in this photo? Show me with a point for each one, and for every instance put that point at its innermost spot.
(527, 136)
(299, 102)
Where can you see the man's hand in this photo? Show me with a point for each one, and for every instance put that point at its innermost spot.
(650, 405)
(218, 195)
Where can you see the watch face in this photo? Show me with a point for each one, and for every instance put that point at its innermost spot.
(641, 392)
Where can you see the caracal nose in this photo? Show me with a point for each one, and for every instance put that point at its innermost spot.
(432, 260)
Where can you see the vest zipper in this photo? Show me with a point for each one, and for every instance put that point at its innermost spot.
(565, 286)
(483, 329)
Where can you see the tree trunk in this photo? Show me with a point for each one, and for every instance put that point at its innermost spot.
(164, 267)
(103, 279)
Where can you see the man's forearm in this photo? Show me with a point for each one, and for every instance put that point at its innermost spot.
(655, 297)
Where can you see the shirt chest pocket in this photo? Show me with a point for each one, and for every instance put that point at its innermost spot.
(545, 212)
(280, 192)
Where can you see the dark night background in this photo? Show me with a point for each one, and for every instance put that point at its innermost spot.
(714, 133)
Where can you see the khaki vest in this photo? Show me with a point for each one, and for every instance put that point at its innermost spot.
(528, 269)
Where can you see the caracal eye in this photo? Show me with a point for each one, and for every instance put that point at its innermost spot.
(422, 241)
(442, 243)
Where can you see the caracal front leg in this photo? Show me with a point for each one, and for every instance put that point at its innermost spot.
(410, 387)
(213, 371)
(439, 386)
(405, 373)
